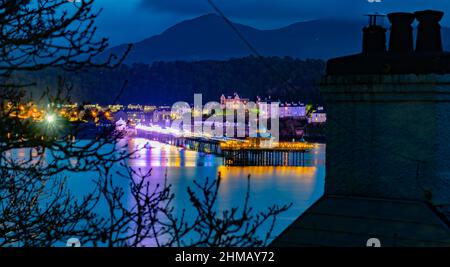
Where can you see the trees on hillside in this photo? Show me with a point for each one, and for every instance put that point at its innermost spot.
(169, 82)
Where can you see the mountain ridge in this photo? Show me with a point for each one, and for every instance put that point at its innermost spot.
(210, 37)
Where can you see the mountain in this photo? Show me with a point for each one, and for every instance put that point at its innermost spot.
(210, 37)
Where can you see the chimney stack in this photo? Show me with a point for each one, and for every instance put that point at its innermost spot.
(429, 31)
(401, 37)
(374, 36)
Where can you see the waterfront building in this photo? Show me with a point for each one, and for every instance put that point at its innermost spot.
(135, 114)
(162, 115)
(135, 117)
(134, 107)
(179, 112)
(92, 107)
(70, 106)
(148, 109)
(387, 173)
(265, 111)
(318, 116)
(234, 101)
(115, 108)
(292, 110)
(121, 125)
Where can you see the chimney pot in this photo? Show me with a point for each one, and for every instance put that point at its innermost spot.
(429, 37)
(374, 36)
(401, 37)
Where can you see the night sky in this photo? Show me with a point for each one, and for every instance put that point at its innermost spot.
(124, 21)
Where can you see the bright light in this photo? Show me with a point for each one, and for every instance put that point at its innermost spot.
(50, 118)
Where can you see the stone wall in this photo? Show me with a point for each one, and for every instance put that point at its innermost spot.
(388, 136)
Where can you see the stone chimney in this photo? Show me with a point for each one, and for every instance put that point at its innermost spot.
(429, 31)
(388, 150)
(374, 35)
(401, 38)
(387, 130)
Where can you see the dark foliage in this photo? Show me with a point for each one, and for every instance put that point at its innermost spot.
(168, 82)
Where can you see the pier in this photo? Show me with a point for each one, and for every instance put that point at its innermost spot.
(235, 152)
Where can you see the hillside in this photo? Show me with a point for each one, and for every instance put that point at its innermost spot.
(209, 37)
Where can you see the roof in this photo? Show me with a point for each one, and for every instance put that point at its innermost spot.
(389, 63)
(351, 221)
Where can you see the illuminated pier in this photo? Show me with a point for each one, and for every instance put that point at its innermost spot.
(236, 152)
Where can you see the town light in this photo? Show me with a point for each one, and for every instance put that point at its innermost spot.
(51, 123)
(50, 118)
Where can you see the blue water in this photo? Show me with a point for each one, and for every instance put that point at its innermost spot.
(301, 186)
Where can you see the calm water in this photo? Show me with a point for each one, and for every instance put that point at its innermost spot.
(301, 186)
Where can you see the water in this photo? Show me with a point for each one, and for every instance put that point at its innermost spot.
(301, 186)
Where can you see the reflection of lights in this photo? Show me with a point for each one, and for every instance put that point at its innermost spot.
(161, 155)
(306, 174)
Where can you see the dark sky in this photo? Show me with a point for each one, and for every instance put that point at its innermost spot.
(132, 20)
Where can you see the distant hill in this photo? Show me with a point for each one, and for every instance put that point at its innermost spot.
(209, 37)
(165, 83)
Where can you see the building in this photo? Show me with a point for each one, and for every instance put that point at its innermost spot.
(115, 108)
(292, 110)
(233, 101)
(92, 106)
(162, 116)
(121, 125)
(135, 114)
(149, 109)
(134, 107)
(265, 111)
(387, 173)
(318, 116)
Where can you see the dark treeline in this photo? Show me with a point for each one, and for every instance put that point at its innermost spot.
(285, 78)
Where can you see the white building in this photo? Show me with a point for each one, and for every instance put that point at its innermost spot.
(294, 110)
(162, 115)
(234, 101)
(318, 116)
(121, 125)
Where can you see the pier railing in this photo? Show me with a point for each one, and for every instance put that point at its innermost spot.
(281, 146)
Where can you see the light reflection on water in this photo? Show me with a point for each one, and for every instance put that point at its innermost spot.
(301, 186)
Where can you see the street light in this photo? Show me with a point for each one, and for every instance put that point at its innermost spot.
(52, 123)
(50, 118)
